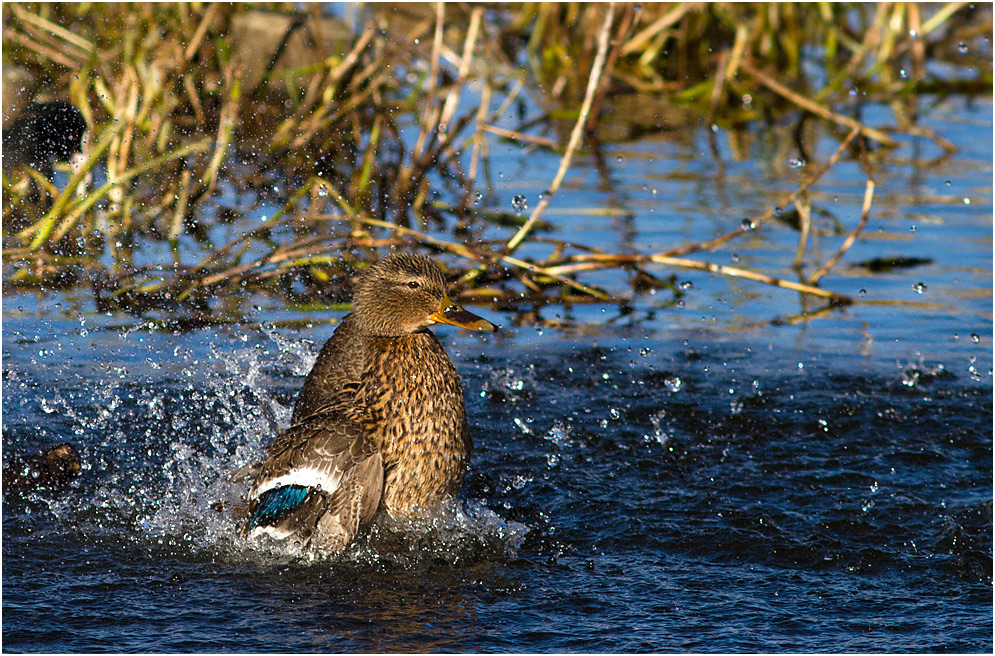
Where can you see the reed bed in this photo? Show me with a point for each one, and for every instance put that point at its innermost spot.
(348, 138)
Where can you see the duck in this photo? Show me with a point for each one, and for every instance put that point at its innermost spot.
(379, 424)
(43, 134)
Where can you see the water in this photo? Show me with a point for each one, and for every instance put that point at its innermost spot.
(755, 507)
(694, 477)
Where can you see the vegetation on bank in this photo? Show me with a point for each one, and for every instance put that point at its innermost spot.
(349, 137)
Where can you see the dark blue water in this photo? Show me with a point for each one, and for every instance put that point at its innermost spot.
(690, 477)
(627, 494)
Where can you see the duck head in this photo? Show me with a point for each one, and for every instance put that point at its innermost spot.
(405, 293)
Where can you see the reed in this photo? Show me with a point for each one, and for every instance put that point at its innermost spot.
(348, 141)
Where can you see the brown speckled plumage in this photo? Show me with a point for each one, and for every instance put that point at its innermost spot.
(380, 420)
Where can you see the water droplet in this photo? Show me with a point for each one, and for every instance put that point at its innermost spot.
(962, 48)
(796, 163)
(747, 99)
(322, 191)
(644, 351)
(734, 257)
(902, 73)
(946, 182)
(862, 292)
(913, 35)
(975, 338)
(619, 159)
(747, 225)
(919, 288)
(615, 414)
(912, 228)
(714, 127)
(853, 92)
(673, 384)
(520, 204)
(687, 284)
(967, 201)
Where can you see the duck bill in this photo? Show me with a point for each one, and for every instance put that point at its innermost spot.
(454, 315)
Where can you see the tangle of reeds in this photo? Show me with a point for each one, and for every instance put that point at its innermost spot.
(345, 138)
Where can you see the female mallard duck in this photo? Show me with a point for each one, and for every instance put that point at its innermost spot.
(379, 421)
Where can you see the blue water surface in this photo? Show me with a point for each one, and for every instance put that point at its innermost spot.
(714, 475)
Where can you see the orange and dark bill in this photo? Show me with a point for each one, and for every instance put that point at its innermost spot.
(454, 315)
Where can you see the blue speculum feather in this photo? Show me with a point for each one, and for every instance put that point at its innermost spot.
(277, 503)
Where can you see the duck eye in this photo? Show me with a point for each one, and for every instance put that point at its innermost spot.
(414, 284)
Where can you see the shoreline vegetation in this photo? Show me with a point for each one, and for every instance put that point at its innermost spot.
(347, 138)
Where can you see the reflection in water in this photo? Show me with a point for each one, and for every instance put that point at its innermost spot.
(691, 477)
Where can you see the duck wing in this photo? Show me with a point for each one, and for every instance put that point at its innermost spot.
(335, 373)
(322, 478)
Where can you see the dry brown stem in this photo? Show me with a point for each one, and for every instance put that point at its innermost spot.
(814, 107)
(592, 86)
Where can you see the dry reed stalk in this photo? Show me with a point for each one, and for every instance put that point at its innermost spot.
(200, 33)
(941, 17)
(430, 114)
(72, 38)
(592, 86)
(176, 225)
(452, 100)
(624, 29)
(226, 126)
(659, 25)
(864, 215)
(918, 47)
(42, 49)
(751, 275)
(469, 253)
(518, 136)
(478, 134)
(816, 108)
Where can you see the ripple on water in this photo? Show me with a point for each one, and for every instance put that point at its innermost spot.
(657, 506)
